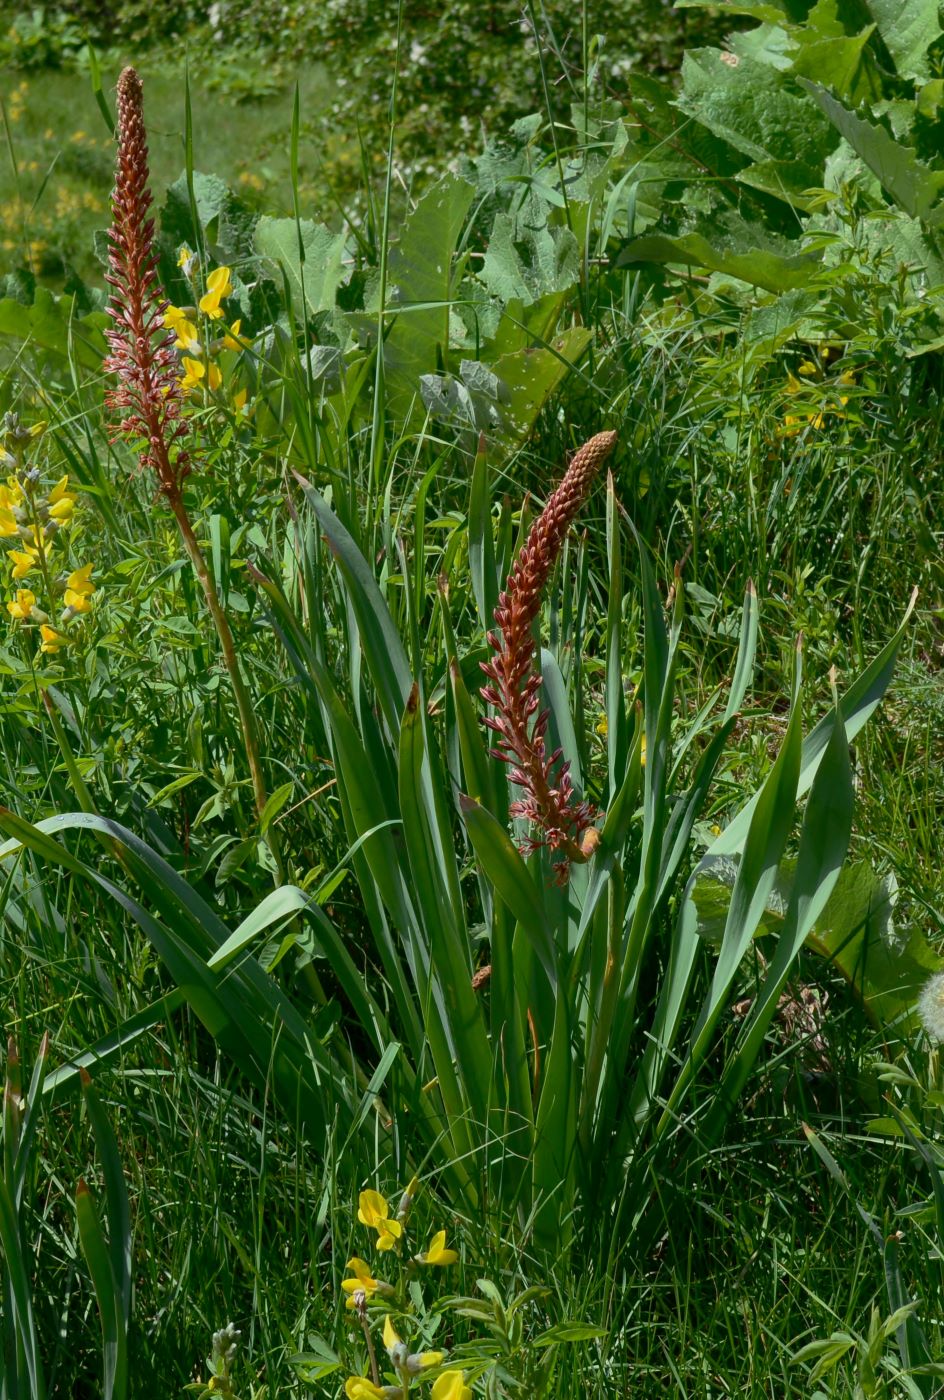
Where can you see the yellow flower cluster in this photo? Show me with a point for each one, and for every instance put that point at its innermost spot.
(794, 422)
(197, 363)
(364, 1287)
(34, 518)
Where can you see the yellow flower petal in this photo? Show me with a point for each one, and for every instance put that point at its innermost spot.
(187, 336)
(451, 1386)
(62, 510)
(174, 316)
(360, 1388)
(8, 525)
(372, 1209)
(214, 377)
(219, 282)
(194, 370)
(80, 580)
(60, 490)
(437, 1254)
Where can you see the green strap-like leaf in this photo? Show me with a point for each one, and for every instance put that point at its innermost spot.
(114, 1334)
(380, 639)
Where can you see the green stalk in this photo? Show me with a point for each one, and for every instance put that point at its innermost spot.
(231, 661)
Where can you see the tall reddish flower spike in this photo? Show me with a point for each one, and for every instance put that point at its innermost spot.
(148, 395)
(548, 800)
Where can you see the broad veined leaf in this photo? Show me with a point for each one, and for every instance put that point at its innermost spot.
(751, 107)
(528, 377)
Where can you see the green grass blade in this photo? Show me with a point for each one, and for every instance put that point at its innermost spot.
(507, 872)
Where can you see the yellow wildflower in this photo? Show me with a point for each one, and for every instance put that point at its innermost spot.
(239, 400)
(79, 589)
(194, 371)
(360, 1388)
(214, 377)
(8, 526)
(21, 606)
(437, 1253)
(23, 560)
(451, 1386)
(184, 256)
(374, 1212)
(61, 503)
(187, 336)
(363, 1280)
(218, 287)
(808, 368)
(231, 339)
(602, 726)
(52, 640)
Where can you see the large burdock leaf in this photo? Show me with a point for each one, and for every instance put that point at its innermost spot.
(310, 256)
(420, 287)
(916, 187)
(526, 262)
(528, 377)
(49, 324)
(908, 29)
(772, 271)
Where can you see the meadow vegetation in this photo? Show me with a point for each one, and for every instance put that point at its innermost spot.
(471, 909)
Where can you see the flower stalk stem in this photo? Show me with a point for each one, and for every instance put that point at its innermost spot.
(230, 660)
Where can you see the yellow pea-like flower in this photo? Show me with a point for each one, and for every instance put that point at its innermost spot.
(21, 606)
